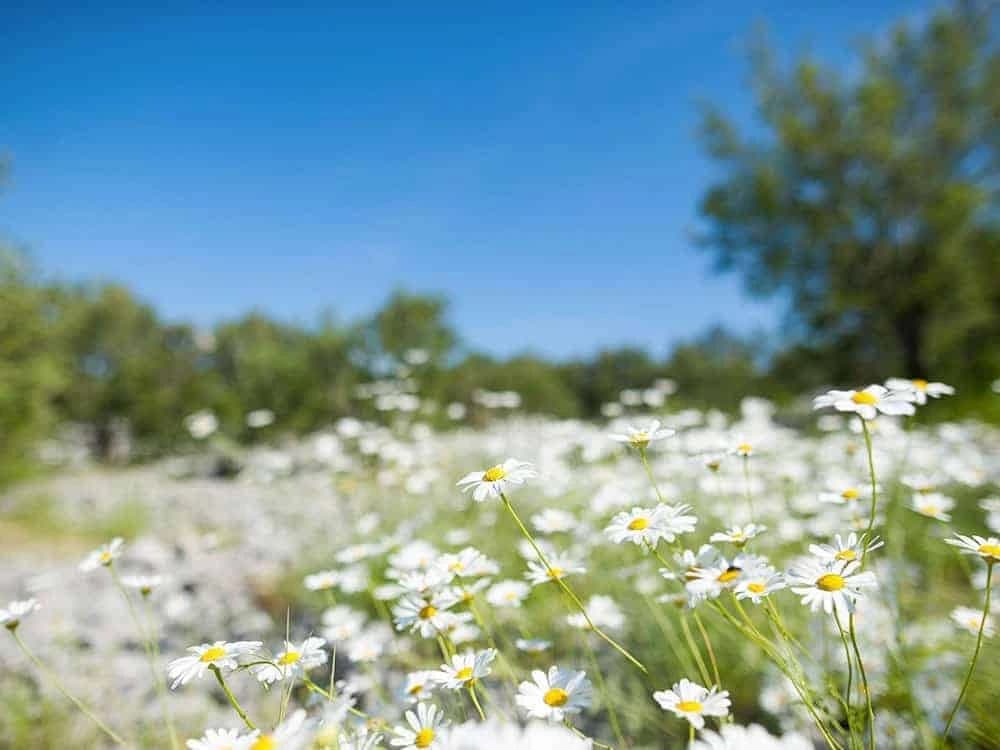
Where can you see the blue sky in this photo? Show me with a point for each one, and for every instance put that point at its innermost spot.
(536, 162)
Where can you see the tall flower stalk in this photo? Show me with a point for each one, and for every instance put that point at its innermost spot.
(975, 653)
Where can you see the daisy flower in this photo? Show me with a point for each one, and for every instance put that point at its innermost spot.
(143, 584)
(553, 521)
(341, 623)
(867, 403)
(852, 548)
(691, 701)
(497, 479)
(533, 645)
(222, 739)
(647, 526)
(14, 612)
(758, 582)
(221, 654)
(323, 580)
(845, 492)
(423, 730)
(640, 437)
(427, 616)
(933, 505)
(465, 668)
(919, 389)
(468, 563)
(560, 566)
(554, 695)
(507, 593)
(738, 535)
(103, 556)
(419, 685)
(294, 733)
(971, 620)
(711, 579)
(295, 660)
(753, 737)
(829, 584)
(988, 548)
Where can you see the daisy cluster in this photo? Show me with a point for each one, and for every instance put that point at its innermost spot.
(635, 584)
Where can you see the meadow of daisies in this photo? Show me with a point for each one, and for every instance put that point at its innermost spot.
(816, 579)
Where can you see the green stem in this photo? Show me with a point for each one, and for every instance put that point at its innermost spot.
(864, 682)
(582, 736)
(702, 669)
(569, 592)
(66, 694)
(746, 485)
(649, 473)
(708, 647)
(331, 697)
(871, 474)
(602, 688)
(232, 698)
(975, 654)
(850, 678)
(475, 701)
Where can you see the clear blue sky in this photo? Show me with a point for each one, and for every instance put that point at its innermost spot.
(536, 162)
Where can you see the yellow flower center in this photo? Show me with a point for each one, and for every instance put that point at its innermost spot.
(464, 673)
(989, 550)
(105, 557)
(929, 510)
(289, 657)
(416, 689)
(264, 742)
(920, 384)
(756, 588)
(846, 555)
(714, 465)
(213, 653)
(864, 398)
(830, 582)
(731, 574)
(494, 474)
(689, 706)
(424, 738)
(638, 524)
(744, 448)
(555, 697)
(555, 572)
(850, 494)
(427, 612)
(640, 438)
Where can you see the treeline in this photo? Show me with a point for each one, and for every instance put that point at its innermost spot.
(97, 356)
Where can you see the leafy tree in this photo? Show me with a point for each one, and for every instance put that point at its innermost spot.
(870, 202)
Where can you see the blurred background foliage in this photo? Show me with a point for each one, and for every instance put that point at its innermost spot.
(866, 201)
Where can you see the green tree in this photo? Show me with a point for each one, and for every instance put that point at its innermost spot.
(870, 202)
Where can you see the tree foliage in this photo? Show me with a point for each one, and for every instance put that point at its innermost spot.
(871, 201)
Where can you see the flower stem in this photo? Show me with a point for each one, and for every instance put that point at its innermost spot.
(649, 473)
(232, 698)
(864, 682)
(475, 701)
(871, 474)
(975, 654)
(62, 689)
(569, 592)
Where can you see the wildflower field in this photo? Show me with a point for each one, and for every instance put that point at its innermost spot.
(663, 579)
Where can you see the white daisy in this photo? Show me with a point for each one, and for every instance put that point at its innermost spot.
(553, 521)
(867, 403)
(12, 615)
(988, 548)
(829, 584)
(465, 668)
(419, 685)
(753, 737)
(423, 730)
(933, 505)
(555, 694)
(693, 702)
(852, 548)
(341, 623)
(221, 654)
(426, 616)
(143, 584)
(640, 437)
(222, 739)
(738, 536)
(293, 661)
(294, 733)
(497, 480)
(323, 580)
(468, 563)
(533, 645)
(103, 556)
(507, 593)
(757, 582)
(919, 389)
(560, 566)
(846, 492)
(647, 526)
(971, 620)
